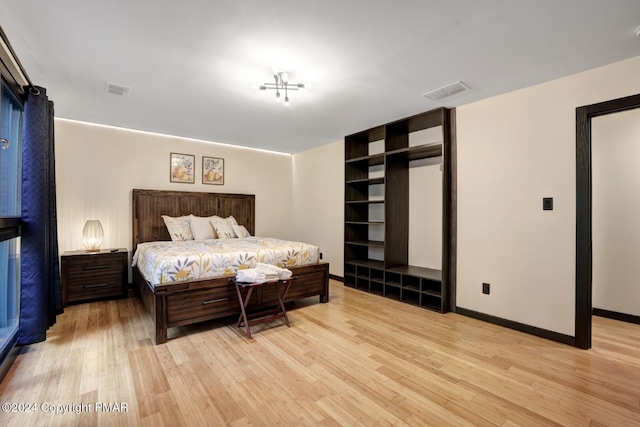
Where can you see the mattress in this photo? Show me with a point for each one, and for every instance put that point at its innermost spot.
(167, 262)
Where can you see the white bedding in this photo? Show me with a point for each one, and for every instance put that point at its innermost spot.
(166, 262)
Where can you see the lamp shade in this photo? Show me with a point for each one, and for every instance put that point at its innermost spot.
(92, 235)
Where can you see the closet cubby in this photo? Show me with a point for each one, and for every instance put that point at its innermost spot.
(377, 197)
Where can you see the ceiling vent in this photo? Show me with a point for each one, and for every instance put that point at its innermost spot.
(115, 89)
(444, 91)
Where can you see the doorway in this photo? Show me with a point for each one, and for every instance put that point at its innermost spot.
(584, 298)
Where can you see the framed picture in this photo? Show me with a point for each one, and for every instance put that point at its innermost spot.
(182, 168)
(212, 170)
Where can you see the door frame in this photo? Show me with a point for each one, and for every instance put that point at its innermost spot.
(584, 302)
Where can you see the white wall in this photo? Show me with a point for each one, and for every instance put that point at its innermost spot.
(98, 166)
(318, 201)
(425, 213)
(615, 142)
(425, 203)
(513, 150)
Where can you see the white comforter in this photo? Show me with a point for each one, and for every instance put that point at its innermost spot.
(166, 262)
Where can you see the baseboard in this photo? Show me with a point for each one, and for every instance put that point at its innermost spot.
(334, 277)
(623, 317)
(528, 329)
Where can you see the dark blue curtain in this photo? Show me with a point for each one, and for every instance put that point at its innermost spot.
(40, 293)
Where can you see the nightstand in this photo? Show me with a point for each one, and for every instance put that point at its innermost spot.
(91, 275)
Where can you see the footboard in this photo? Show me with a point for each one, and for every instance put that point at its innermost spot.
(186, 303)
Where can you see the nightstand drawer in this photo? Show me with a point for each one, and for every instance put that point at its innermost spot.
(94, 287)
(87, 266)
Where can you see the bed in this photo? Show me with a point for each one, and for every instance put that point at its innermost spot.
(171, 302)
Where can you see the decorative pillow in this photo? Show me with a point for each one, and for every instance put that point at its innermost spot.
(179, 227)
(201, 227)
(241, 231)
(224, 227)
(231, 220)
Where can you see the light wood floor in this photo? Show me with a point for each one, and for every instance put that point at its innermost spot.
(357, 360)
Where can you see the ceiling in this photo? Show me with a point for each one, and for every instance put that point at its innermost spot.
(191, 65)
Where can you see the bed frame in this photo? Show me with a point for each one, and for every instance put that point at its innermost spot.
(185, 303)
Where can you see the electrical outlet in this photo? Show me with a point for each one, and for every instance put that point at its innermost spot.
(486, 288)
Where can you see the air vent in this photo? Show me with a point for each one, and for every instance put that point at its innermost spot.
(444, 91)
(117, 89)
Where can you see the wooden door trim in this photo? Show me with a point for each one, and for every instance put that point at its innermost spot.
(584, 304)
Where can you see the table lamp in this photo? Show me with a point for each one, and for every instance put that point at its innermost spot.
(92, 235)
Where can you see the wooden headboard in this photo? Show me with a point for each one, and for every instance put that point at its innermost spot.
(150, 205)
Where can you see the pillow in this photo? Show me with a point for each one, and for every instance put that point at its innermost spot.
(223, 227)
(241, 231)
(229, 220)
(201, 228)
(179, 227)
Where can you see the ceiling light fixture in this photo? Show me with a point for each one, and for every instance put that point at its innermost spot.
(281, 83)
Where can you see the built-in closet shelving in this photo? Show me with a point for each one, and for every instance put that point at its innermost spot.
(376, 231)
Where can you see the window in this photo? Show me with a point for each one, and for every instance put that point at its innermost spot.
(9, 290)
(10, 154)
(10, 207)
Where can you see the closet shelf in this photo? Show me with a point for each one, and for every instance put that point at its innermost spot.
(425, 273)
(369, 243)
(355, 202)
(368, 263)
(418, 152)
(376, 159)
(366, 181)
